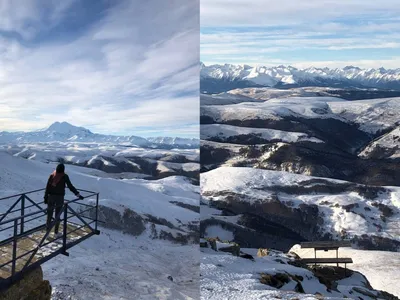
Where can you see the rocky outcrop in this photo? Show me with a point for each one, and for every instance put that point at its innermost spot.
(373, 242)
(309, 160)
(30, 287)
(312, 159)
(273, 217)
(130, 222)
(274, 223)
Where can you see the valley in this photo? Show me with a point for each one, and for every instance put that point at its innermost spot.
(284, 166)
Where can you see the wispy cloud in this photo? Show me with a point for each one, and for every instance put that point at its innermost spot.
(293, 32)
(129, 65)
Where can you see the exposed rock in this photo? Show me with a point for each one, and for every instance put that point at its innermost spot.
(387, 296)
(246, 256)
(214, 156)
(294, 255)
(313, 159)
(262, 252)
(330, 275)
(194, 208)
(386, 210)
(180, 238)
(203, 245)
(213, 243)
(262, 222)
(372, 242)
(129, 222)
(132, 223)
(249, 238)
(299, 288)
(273, 217)
(234, 249)
(277, 280)
(364, 292)
(30, 287)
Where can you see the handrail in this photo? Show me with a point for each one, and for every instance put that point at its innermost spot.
(13, 196)
(62, 217)
(13, 211)
(87, 196)
(39, 190)
(24, 216)
(43, 210)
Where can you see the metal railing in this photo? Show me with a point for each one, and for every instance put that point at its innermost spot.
(17, 228)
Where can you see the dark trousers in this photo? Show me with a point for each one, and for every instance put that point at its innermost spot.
(54, 203)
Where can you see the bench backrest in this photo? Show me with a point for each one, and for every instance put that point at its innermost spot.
(326, 244)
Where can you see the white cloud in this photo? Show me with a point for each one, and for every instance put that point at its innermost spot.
(297, 32)
(28, 17)
(273, 13)
(134, 68)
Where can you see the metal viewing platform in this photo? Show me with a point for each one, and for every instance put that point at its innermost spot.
(26, 243)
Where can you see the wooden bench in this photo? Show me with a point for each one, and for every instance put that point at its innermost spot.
(326, 246)
(328, 260)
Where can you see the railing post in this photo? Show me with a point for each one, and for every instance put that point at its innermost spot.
(65, 228)
(14, 253)
(22, 213)
(97, 211)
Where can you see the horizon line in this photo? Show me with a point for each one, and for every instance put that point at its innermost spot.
(184, 136)
(292, 65)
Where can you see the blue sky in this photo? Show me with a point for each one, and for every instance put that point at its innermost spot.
(332, 33)
(113, 66)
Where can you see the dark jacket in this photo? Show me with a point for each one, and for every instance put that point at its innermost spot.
(59, 189)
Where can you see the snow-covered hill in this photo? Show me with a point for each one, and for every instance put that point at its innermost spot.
(224, 98)
(367, 123)
(148, 224)
(330, 208)
(386, 146)
(226, 133)
(288, 76)
(175, 141)
(116, 160)
(65, 132)
(266, 93)
(163, 199)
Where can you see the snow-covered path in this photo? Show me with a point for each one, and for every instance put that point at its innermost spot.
(116, 266)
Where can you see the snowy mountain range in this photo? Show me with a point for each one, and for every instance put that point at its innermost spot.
(219, 78)
(66, 132)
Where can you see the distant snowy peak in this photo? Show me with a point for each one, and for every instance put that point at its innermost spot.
(66, 132)
(287, 75)
(67, 128)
